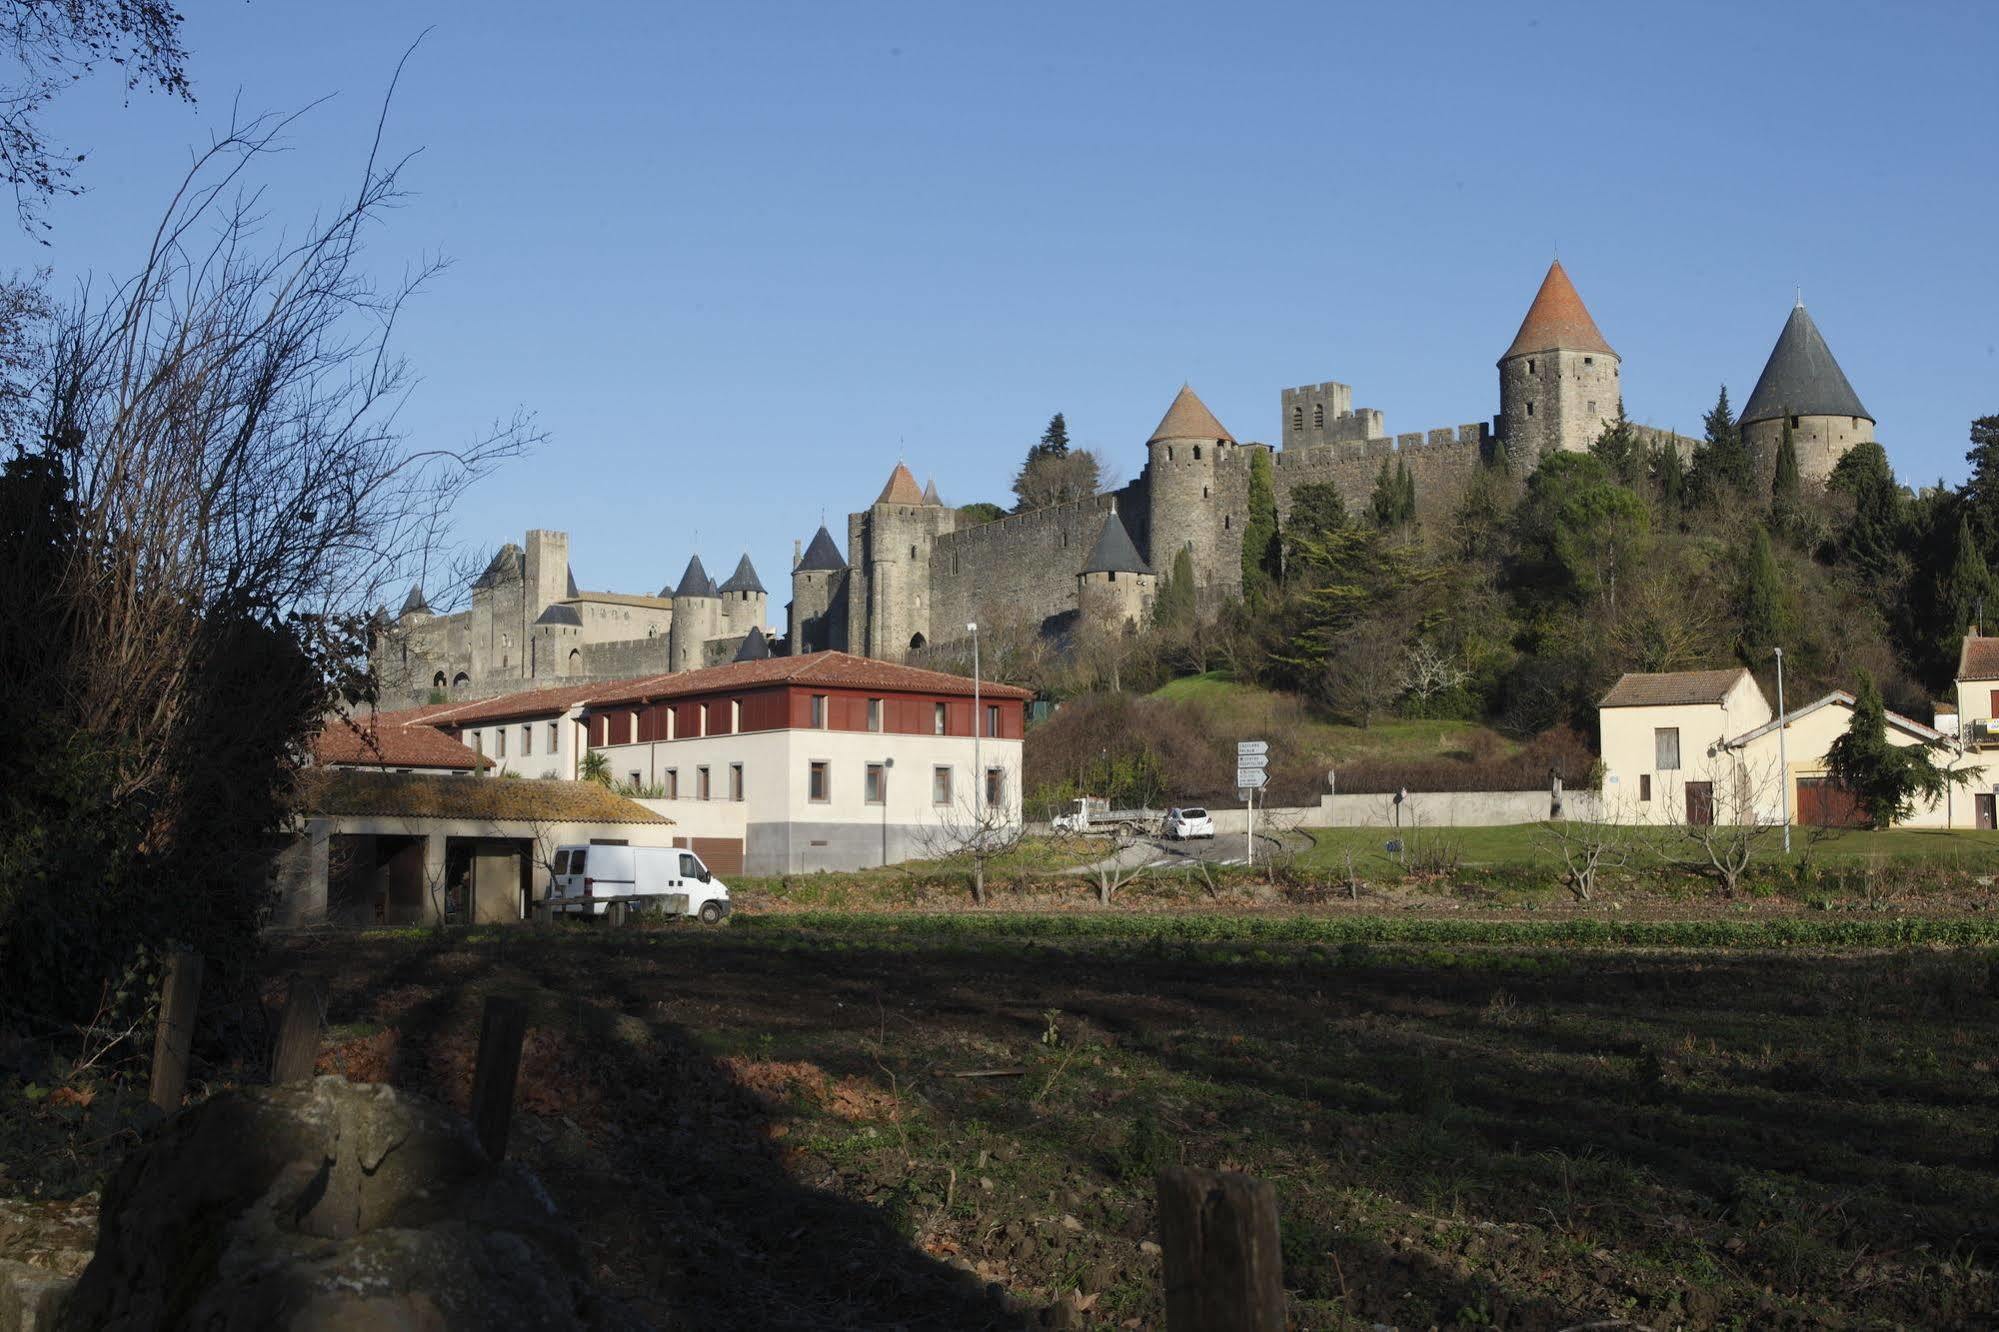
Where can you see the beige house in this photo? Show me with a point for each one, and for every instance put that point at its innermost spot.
(1704, 747)
(385, 848)
(1662, 738)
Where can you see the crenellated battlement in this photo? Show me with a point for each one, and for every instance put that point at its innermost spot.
(1472, 436)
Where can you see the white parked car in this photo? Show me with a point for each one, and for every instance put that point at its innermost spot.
(1182, 824)
(614, 881)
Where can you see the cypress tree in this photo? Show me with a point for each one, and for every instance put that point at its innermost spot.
(1965, 590)
(1721, 462)
(1785, 491)
(1619, 447)
(1262, 560)
(1174, 604)
(1670, 470)
(1500, 460)
(1387, 497)
(1765, 606)
(1405, 481)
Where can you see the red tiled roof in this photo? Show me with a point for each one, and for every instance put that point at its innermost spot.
(1672, 688)
(1189, 418)
(1978, 658)
(901, 488)
(1557, 318)
(834, 669)
(535, 702)
(393, 740)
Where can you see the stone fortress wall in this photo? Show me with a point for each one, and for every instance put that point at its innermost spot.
(1022, 566)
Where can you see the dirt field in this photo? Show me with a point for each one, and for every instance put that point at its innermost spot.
(757, 1126)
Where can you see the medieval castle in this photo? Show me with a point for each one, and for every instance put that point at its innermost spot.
(916, 571)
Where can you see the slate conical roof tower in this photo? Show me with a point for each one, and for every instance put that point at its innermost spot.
(1803, 390)
(1114, 551)
(1559, 379)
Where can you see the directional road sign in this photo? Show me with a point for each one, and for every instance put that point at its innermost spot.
(1258, 761)
(1249, 779)
(1252, 747)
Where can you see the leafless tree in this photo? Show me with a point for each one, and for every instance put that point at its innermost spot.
(1428, 671)
(1044, 483)
(25, 316)
(53, 44)
(979, 835)
(1725, 846)
(1362, 677)
(219, 436)
(1586, 849)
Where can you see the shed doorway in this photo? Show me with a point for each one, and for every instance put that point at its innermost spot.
(1700, 804)
(1824, 803)
(1984, 805)
(487, 880)
(375, 880)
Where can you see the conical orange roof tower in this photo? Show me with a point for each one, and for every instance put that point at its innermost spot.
(1557, 318)
(901, 488)
(1189, 418)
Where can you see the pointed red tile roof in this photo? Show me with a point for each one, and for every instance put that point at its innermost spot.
(1557, 318)
(1189, 418)
(901, 488)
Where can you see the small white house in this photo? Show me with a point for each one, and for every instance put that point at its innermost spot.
(1704, 747)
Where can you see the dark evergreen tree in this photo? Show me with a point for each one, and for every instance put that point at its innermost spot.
(1316, 511)
(1767, 618)
(1499, 460)
(1872, 539)
(1786, 492)
(1386, 502)
(1981, 488)
(1405, 486)
(1669, 473)
(1262, 556)
(1619, 447)
(1054, 440)
(1721, 460)
(1886, 778)
(1963, 595)
(1174, 603)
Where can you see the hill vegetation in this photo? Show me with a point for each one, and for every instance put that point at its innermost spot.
(1509, 614)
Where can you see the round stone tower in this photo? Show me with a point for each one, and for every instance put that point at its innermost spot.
(1559, 382)
(697, 617)
(1116, 587)
(818, 590)
(1802, 385)
(1183, 459)
(743, 599)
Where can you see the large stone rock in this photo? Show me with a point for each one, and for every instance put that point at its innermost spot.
(329, 1205)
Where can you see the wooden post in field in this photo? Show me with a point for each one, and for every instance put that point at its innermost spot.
(298, 1032)
(501, 1031)
(1223, 1267)
(180, 994)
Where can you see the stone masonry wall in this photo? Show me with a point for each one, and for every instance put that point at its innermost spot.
(1441, 461)
(1023, 565)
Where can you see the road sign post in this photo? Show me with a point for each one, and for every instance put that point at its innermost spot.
(1252, 758)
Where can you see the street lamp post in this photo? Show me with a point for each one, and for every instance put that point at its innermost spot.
(1783, 755)
(887, 763)
(978, 773)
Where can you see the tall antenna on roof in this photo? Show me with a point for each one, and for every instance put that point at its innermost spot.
(1801, 295)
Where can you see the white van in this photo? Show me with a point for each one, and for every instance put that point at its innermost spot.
(614, 881)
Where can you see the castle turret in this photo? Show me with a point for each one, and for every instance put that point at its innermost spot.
(817, 618)
(1802, 385)
(1115, 587)
(697, 617)
(1183, 461)
(754, 647)
(546, 573)
(743, 599)
(892, 549)
(1559, 382)
(555, 645)
(415, 608)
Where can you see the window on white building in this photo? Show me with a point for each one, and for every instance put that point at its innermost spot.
(940, 786)
(875, 792)
(672, 783)
(736, 782)
(818, 785)
(938, 716)
(995, 788)
(875, 715)
(818, 712)
(701, 783)
(1666, 748)
(527, 740)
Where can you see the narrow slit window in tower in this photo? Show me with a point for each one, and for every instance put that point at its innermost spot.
(1318, 416)
(1197, 453)
(1530, 407)
(1589, 360)
(1530, 365)
(1297, 418)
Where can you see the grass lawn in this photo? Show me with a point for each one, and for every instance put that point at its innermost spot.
(1529, 846)
(1232, 708)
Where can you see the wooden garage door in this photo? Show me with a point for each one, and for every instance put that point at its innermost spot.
(1823, 803)
(723, 855)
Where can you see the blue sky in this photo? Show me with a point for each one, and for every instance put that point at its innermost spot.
(739, 257)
